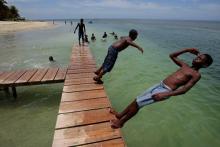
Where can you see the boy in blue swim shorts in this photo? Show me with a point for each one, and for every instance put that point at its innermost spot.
(112, 55)
(177, 83)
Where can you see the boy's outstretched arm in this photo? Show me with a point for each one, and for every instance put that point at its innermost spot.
(76, 28)
(135, 45)
(174, 55)
(179, 91)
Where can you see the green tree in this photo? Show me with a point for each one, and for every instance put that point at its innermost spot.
(8, 13)
(3, 10)
(14, 12)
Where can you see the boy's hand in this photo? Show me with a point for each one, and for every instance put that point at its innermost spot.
(159, 96)
(193, 51)
(74, 32)
(142, 51)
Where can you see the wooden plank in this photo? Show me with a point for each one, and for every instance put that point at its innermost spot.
(82, 64)
(61, 74)
(82, 95)
(77, 76)
(74, 67)
(109, 143)
(78, 81)
(82, 87)
(83, 105)
(77, 61)
(80, 71)
(85, 134)
(13, 77)
(5, 75)
(26, 76)
(50, 75)
(38, 76)
(83, 118)
(81, 58)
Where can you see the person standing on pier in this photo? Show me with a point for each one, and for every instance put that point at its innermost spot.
(82, 31)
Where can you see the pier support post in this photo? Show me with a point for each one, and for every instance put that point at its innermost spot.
(14, 92)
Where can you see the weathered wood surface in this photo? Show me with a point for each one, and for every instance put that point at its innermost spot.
(32, 77)
(83, 117)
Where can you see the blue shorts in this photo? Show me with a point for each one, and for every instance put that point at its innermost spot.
(146, 97)
(110, 59)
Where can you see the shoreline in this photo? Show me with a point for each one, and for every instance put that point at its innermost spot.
(15, 26)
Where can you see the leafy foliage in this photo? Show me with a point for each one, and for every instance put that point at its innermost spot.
(8, 12)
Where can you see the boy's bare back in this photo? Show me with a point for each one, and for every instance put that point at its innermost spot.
(122, 44)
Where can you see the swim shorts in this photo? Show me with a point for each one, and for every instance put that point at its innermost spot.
(146, 97)
(110, 59)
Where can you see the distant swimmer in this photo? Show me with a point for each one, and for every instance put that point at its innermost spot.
(82, 30)
(113, 33)
(175, 84)
(86, 39)
(51, 59)
(116, 37)
(113, 51)
(105, 35)
(53, 63)
(93, 37)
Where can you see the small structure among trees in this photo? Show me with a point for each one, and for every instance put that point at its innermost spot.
(8, 12)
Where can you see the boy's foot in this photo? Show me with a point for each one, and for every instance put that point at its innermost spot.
(115, 124)
(98, 81)
(112, 111)
(96, 72)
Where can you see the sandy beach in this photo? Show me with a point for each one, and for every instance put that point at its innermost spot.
(11, 26)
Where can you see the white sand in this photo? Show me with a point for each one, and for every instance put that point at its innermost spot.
(11, 26)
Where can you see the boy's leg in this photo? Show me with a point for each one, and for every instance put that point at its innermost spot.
(99, 70)
(128, 113)
(79, 41)
(124, 112)
(83, 38)
(99, 76)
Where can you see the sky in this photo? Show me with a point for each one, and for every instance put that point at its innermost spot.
(139, 9)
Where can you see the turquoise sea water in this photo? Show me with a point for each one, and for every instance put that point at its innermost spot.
(188, 120)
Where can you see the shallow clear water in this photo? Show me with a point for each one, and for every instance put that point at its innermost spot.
(188, 120)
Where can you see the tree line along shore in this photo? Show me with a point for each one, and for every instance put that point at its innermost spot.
(9, 13)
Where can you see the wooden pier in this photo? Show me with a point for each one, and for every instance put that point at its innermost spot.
(14, 79)
(83, 119)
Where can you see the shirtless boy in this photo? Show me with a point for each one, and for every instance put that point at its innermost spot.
(82, 31)
(177, 83)
(113, 51)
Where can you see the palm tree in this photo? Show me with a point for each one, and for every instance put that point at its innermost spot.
(3, 9)
(8, 13)
(14, 12)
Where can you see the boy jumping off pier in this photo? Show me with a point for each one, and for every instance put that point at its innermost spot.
(113, 51)
(177, 83)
